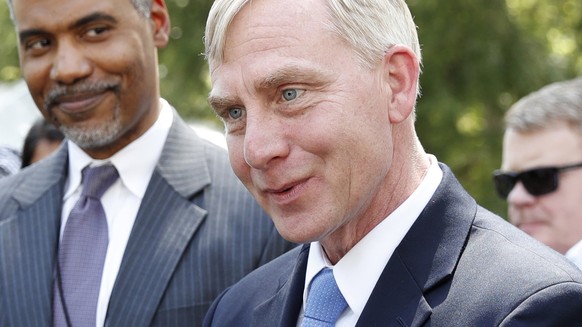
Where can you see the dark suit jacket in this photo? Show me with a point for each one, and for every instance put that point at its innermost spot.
(459, 265)
(197, 231)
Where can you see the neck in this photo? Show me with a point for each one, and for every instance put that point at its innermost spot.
(406, 173)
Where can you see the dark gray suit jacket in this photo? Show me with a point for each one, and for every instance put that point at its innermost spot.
(197, 231)
(459, 265)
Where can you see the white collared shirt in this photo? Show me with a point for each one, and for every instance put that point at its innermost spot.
(575, 254)
(359, 270)
(135, 164)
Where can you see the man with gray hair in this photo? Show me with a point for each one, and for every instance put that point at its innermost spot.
(318, 98)
(541, 175)
(170, 229)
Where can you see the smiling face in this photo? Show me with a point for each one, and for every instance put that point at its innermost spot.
(91, 67)
(308, 128)
(555, 218)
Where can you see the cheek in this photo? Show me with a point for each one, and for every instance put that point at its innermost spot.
(513, 215)
(237, 160)
(567, 200)
(36, 74)
(565, 210)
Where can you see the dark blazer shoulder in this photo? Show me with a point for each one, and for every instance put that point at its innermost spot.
(266, 280)
(462, 264)
(274, 282)
(500, 272)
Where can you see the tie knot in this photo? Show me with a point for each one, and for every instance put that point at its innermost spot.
(96, 180)
(325, 302)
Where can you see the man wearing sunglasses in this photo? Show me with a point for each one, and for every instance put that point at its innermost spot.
(541, 170)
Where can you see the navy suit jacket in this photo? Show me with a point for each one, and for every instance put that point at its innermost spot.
(197, 231)
(459, 265)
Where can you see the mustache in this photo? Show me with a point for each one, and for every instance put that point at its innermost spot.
(59, 91)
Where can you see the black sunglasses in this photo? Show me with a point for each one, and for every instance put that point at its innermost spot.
(537, 181)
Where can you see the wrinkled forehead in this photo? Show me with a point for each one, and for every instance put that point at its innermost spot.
(232, 23)
(53, 16)
(268, 34)
(142, 6)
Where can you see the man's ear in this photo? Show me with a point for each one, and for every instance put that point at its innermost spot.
(161, 19)
(401, 72)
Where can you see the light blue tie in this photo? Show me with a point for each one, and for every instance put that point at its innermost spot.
(325, 302)
(82, 252)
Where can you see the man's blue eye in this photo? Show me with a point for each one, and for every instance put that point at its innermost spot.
(289, 94)
(235, 113)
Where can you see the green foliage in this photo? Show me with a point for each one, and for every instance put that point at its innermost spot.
(9, 70)
(479, 58)
(187, 83)
(556, 22)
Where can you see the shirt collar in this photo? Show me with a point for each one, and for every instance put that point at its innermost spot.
(133, 162)
(574, 254)
(358, 271)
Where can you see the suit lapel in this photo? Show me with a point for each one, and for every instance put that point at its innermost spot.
(164, 226)
(396, 299)
(283, 308)
(28, 243)
(418, 274)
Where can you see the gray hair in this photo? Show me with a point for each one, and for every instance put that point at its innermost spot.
(142, 6)
(371, 27)
(557, 102)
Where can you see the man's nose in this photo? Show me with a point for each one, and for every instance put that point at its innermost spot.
(519, 195)
(264, 140)
(70, 63)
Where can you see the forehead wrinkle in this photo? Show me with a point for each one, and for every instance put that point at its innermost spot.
(237, 48)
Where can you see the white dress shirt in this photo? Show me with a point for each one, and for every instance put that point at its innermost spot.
(575, 254)
(359, 270)
(135, 164)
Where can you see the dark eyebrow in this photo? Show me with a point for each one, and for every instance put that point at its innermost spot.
(91, 18)
(23, 35)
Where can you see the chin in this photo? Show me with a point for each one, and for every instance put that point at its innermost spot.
(297, 232)
(94, 138)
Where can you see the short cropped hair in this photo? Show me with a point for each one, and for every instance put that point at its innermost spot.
(557, 102)
(371, 27)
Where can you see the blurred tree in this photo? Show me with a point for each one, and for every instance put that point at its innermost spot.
(185, 79)
(8, 52)
(558, 24)
(479, 58)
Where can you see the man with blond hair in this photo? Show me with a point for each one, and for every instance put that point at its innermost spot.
(318, 98)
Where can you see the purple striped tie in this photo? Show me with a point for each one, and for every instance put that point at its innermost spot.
(82, 252)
